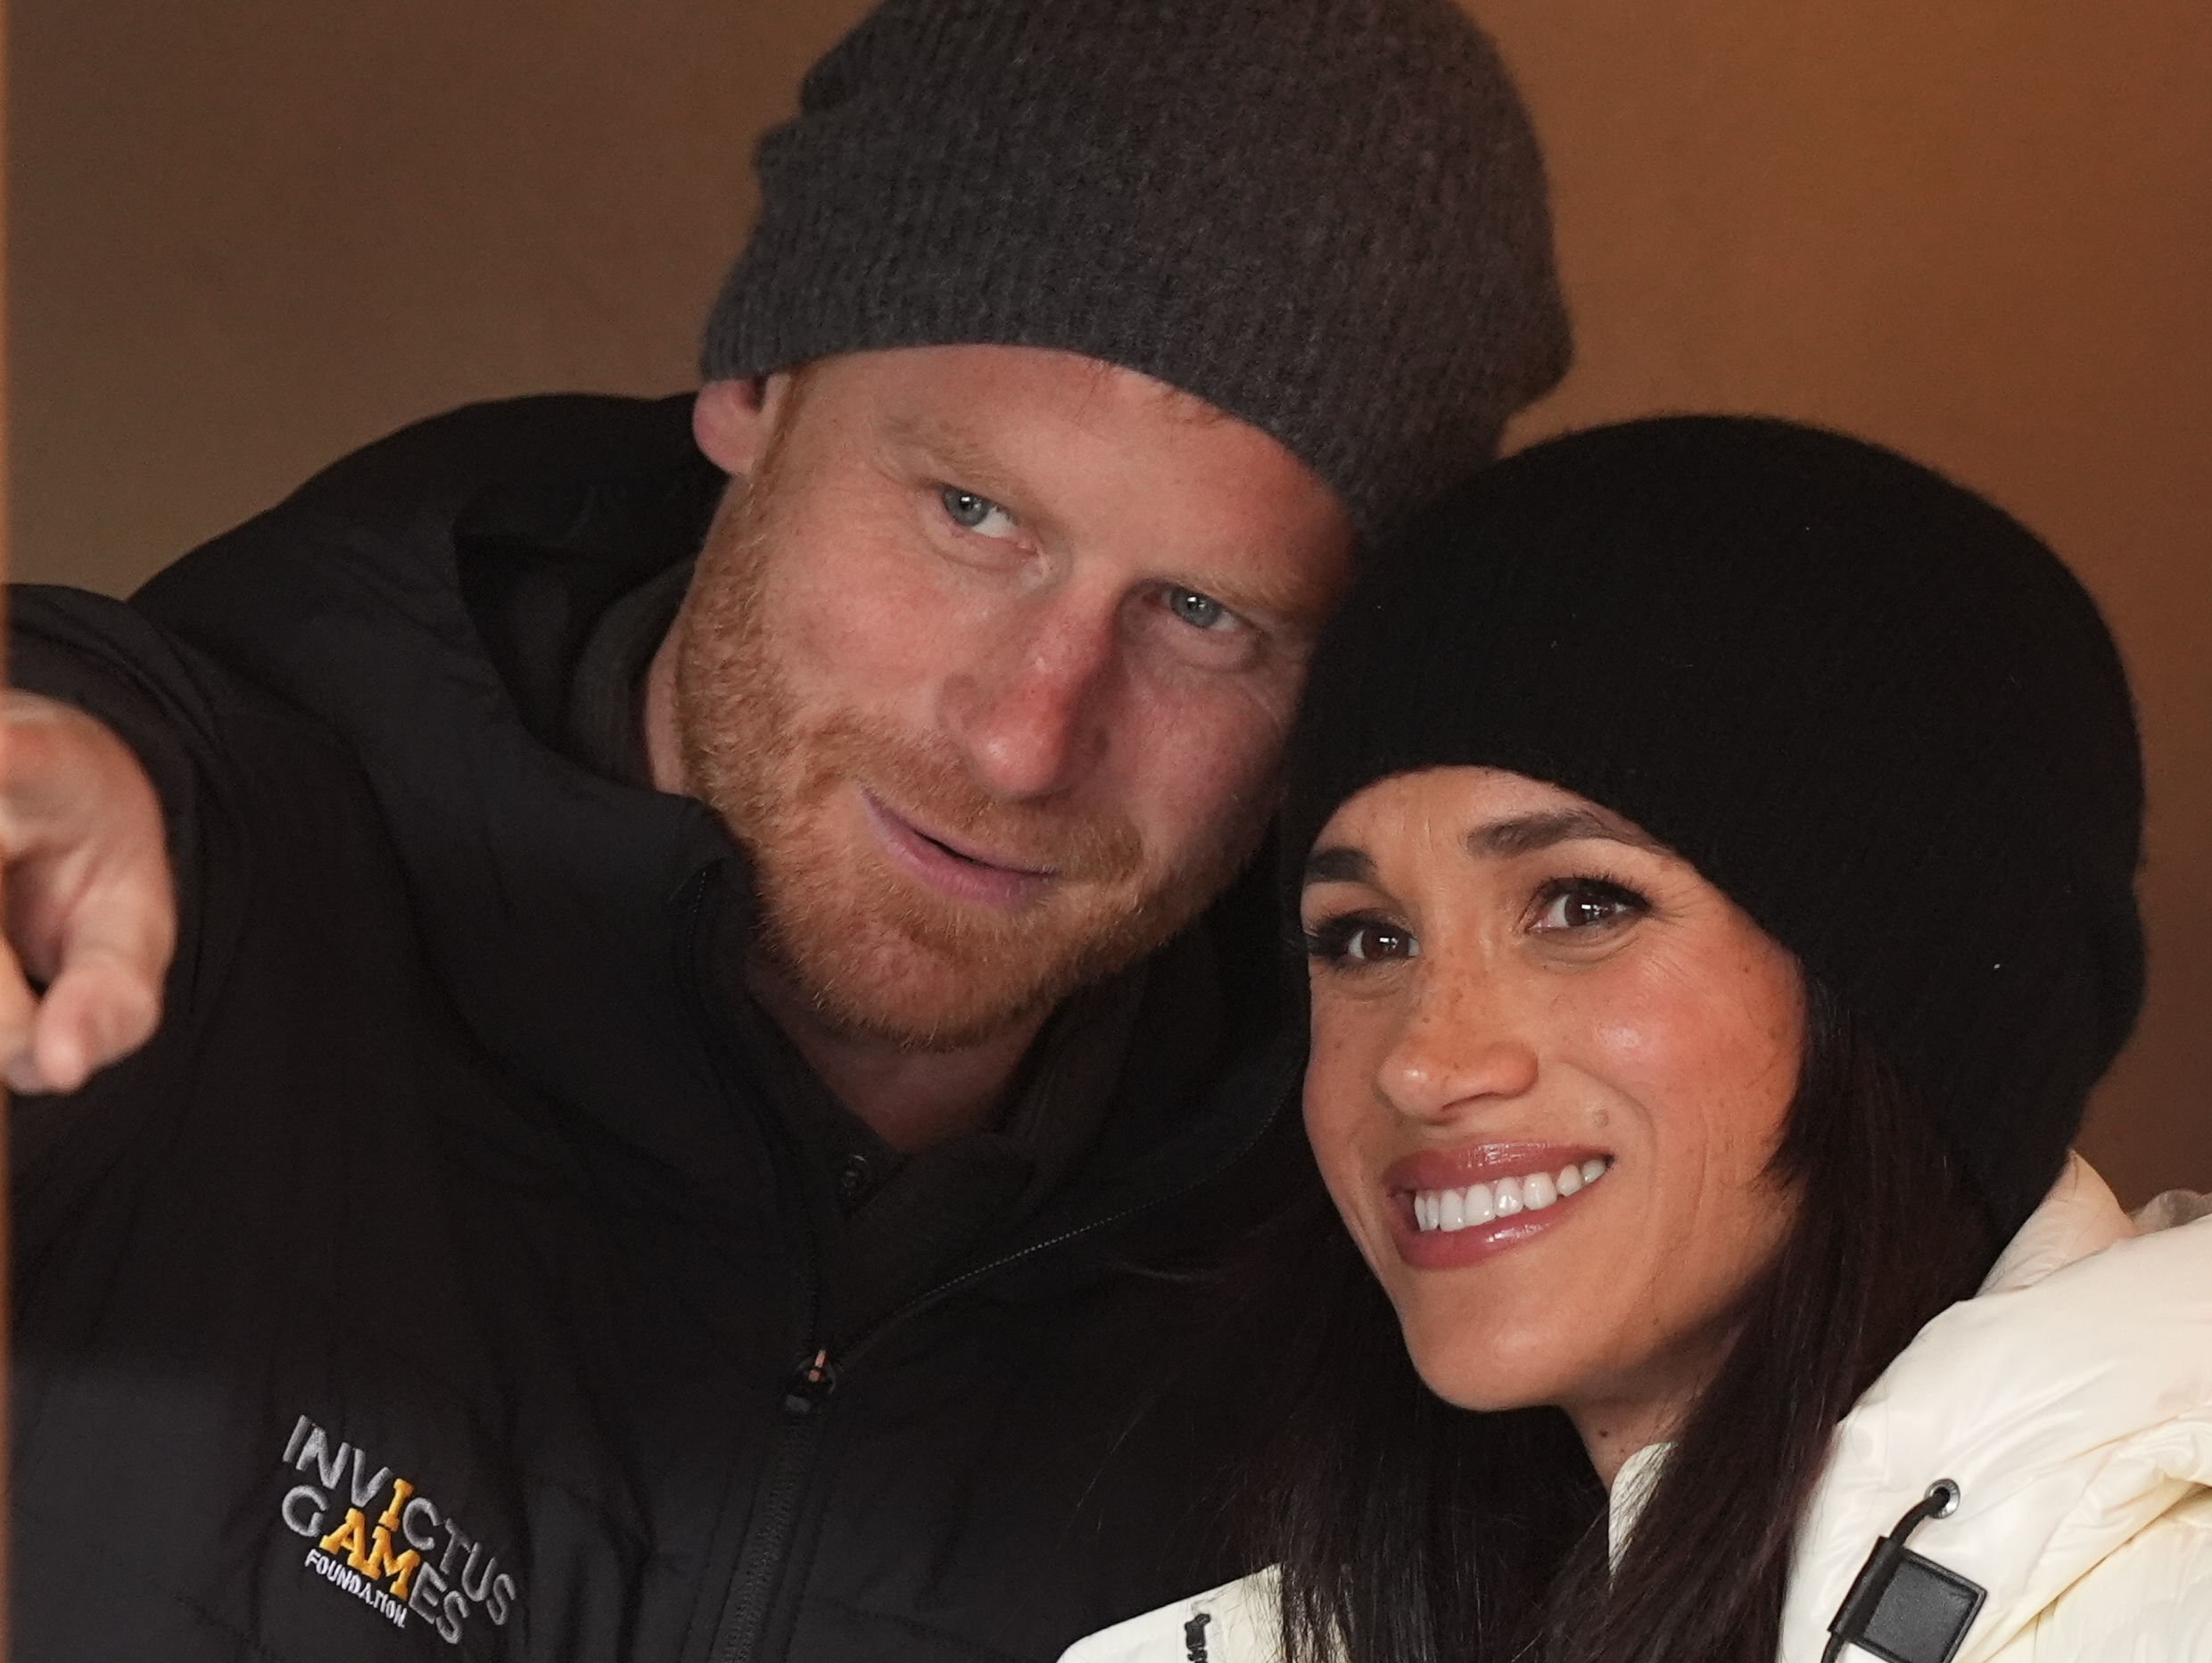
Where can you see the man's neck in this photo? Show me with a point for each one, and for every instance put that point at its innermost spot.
(911, 1099)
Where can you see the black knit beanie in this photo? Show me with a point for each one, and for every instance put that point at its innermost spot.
(1869, 707)
(1325, 216)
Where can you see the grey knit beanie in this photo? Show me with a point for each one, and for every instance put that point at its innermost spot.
(1326, 217)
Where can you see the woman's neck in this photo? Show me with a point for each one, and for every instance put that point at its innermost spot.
(1649, 1407)
(1612, 1433)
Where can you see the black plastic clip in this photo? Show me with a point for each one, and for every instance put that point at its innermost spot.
(1904, 1608)
(1194, 1637)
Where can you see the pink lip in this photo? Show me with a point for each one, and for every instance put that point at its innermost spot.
(1456, 1169)
(952, 868)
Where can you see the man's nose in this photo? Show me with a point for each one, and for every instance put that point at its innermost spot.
(1464, 1047)
(1031, 714)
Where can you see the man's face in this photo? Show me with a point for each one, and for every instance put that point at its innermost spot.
(989, 671)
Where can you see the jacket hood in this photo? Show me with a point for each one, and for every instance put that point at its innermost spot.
(2070, 1401)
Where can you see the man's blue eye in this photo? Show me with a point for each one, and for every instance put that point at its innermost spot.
(966, 508)
(1199, 611)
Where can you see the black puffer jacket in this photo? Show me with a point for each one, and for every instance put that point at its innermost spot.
(438, 1281)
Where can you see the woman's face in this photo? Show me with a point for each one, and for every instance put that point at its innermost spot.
(1550, 1066)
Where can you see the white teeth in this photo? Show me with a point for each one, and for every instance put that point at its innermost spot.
(1449, 1210)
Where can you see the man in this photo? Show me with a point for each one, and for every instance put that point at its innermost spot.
(689, 1095)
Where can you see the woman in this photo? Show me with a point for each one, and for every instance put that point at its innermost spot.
(1714, 845)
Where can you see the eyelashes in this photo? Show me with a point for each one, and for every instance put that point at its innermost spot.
(1359, 938)
(1582, 908)
(1588, 902)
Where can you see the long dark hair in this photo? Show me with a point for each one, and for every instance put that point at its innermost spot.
(1412, 1532)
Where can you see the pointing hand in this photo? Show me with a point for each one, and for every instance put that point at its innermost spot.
(91, 906)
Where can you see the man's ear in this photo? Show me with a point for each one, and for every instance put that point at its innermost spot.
(731, 420)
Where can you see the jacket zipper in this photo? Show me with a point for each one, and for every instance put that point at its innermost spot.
(760, 1559)
(767, 1545)
(767, 1539)
(763, 1554)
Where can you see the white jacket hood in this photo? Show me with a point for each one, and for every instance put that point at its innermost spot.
(2071, 1402)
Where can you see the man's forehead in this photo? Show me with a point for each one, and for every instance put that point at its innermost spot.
(981, 410)
(1167, 398)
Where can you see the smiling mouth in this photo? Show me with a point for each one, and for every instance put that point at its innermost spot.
(964, 875)
(982, 863)
(1441, 1211)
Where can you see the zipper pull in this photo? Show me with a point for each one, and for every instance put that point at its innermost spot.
(1904, 1607)
(806, 1390)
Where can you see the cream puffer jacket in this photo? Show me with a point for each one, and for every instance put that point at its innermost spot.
(2071, 1403)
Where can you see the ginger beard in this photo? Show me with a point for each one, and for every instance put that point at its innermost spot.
(873, 951)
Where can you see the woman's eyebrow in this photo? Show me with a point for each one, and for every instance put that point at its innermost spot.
(1502, 839)
(1338, 863)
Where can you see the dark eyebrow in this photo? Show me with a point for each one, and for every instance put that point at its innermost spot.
(1338, 863)
(1527, 833)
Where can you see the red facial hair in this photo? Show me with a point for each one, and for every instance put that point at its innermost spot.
(872, 948)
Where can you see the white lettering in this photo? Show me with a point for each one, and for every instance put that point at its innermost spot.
(429, 1589)
(366, 1491)
(439, 1595)
(316, 1447)
(458, 1540)
(426, 1541)
(315, 1499)
(474, 1586)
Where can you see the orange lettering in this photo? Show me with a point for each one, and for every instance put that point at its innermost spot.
(352, 1536)
(400, 1490)
(381, 1561)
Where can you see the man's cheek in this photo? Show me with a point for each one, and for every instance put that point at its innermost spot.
(1220, 764)
(837, 651)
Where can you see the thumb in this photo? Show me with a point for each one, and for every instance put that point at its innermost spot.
(101, 1006)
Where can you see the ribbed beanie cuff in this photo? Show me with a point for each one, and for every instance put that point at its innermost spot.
(1326, 217)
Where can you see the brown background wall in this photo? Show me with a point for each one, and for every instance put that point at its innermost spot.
(249, 234)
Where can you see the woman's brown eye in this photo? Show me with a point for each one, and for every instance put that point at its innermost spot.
(1359, 940)
(1588, 904)
(1374, 942)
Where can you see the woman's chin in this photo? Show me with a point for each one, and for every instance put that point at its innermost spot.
(1484, 1375)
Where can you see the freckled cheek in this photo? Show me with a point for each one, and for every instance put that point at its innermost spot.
(1350, 1129)
(1657, 1043)
(1712, 1082)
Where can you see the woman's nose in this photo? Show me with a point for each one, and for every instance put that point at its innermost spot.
(1462, 1048)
